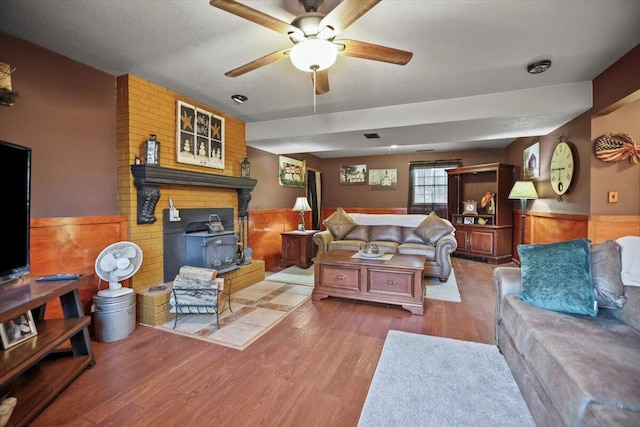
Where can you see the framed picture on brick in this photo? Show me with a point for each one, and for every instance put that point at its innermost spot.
(200, 137)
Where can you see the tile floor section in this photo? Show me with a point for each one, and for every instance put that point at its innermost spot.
(256, 309)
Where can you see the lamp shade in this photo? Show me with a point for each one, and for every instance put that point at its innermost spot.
(302, 205)
(523, 190)
(313, 55)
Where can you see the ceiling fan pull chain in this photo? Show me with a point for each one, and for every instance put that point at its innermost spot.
(315, 70)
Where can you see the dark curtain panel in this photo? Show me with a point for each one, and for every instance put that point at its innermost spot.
(314, 199)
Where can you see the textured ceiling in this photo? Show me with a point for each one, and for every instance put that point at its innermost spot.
(465, 87)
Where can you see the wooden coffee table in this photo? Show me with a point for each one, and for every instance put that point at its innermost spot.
(395, 281)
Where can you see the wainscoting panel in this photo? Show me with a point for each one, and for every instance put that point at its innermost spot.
(71, 245)
(603, 227)
(546, 227)
(265, 227)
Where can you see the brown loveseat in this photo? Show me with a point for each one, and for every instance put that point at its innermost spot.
(573, 369)
(412, 234)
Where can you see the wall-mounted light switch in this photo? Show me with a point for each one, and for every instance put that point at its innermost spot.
(613, 197)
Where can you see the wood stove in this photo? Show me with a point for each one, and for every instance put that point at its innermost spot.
(187, 242)
(212, 250)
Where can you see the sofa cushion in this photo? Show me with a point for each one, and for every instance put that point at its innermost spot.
(630, 313)
(605, 274)
(339, 223)
(418, 249)
(360, 232)
(557, 276)
(385, 233)
(346, 245)
(578, 359)
(386, 247)
(408, 236)
(433, 228)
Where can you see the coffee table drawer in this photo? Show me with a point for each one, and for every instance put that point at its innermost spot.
(340, 277)
(399, 283)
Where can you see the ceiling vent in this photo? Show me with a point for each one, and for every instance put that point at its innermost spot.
(371, 135)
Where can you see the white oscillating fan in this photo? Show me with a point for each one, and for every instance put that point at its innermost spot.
(117, 262)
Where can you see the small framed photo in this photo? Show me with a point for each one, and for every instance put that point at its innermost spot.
(17, 330)
(353, 174)
(531, 161)
(469, 220)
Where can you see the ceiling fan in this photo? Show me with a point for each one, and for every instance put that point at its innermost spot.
(313, 34)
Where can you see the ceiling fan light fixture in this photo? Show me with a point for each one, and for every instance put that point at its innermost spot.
(313, 55)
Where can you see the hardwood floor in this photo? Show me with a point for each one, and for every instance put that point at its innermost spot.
(313, 369)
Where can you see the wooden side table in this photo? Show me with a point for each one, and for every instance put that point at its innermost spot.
(298, 248)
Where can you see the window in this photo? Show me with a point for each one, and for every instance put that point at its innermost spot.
(428, 186)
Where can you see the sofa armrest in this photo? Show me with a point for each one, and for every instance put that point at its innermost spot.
(444, 247)
(508, 281)
(322, 240)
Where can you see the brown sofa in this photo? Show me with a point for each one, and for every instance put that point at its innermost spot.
(412, 234)
(572, 369)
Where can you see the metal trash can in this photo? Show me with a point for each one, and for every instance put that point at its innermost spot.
(114, 318)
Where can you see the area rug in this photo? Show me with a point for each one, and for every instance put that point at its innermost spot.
(423, 381)
(447, 291)
(256, 309)
(294, 275)
(434, 289)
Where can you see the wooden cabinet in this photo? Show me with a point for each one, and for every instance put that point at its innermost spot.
(27, 371)
(298, 248)
(487, 233)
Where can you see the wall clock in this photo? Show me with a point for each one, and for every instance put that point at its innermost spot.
(562, 168)
(470, 207)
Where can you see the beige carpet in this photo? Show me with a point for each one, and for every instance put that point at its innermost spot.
(256, 309)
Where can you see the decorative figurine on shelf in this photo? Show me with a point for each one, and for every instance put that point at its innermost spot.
(488, 202)
(245, 168)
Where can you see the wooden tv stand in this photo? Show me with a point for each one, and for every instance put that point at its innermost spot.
(26, 372)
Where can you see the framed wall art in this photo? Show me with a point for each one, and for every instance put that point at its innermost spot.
(531, 161)
(200, 137)
(383, 179)
(291, 172)
(353, 174)
(17, 330)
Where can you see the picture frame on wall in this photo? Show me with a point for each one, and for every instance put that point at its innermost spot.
(383, 179)
(17, 330)
(200, 138)
(531, 161)
(291, 172)
(353, 175)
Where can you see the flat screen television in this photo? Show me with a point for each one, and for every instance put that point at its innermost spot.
(15, 196)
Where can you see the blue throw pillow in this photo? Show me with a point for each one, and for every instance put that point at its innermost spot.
(557, 276)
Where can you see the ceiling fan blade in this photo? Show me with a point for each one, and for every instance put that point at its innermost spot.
(373, 52)
(260, 62)
(346, 13)
(322, 81)
(255, 16)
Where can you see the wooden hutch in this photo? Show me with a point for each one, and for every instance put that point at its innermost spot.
(484, 232)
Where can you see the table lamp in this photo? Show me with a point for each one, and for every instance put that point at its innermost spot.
(302, 206)
(523, 190)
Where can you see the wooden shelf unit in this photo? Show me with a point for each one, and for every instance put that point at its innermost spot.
(491, 241)
(38, 370)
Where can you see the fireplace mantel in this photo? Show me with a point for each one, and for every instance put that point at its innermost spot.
(148, 179)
